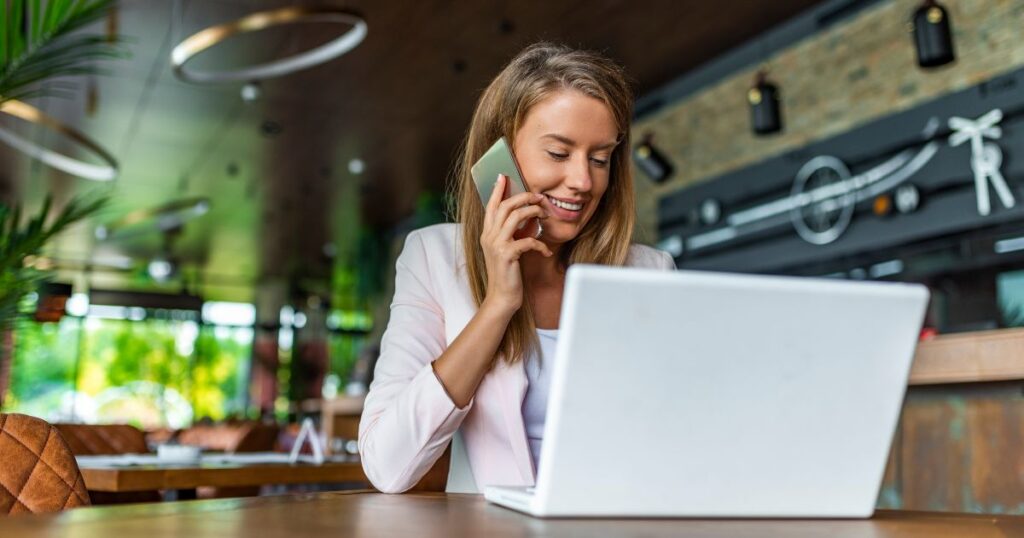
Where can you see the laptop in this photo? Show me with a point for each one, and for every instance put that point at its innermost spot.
(695, 394)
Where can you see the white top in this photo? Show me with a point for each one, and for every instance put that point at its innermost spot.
(535, 404)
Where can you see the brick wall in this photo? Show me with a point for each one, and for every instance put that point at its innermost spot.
(850, 74)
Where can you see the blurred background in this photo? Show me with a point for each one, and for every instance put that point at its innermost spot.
(241, 267)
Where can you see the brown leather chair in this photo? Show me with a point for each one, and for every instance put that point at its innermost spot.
(38, 472)
(106, 439)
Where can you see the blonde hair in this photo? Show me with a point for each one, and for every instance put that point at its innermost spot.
(534, 74)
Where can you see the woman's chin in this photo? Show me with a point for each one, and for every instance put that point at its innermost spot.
(559, 232)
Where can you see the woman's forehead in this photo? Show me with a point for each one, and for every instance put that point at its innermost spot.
(571, 116)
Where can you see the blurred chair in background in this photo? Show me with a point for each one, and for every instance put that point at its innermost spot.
(103, 439)
(108, 439)
(231, 438)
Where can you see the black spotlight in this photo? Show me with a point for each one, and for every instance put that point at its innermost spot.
(765, 109)
(651, 161)
(933, 36)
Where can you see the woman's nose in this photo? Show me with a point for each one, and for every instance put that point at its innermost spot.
(579, 178)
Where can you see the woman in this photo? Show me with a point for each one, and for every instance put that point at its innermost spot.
(475, 310)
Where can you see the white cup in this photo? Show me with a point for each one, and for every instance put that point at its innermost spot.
(178, 453)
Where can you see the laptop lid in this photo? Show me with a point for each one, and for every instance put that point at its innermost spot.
(702, 394)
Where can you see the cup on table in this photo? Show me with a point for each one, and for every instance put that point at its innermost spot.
(173, 453)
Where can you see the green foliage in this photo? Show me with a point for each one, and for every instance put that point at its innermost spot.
(117, 355)
(19, 241)
(38, 41)
(53, 348)
(219, 377)
(344, 351)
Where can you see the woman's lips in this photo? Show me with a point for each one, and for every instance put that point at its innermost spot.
(567, 215)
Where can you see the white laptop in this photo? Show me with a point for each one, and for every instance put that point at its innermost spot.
(692, 394)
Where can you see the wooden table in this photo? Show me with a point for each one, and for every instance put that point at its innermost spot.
(185, 479)
(435, 514)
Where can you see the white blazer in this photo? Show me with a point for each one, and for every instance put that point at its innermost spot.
(408, 418)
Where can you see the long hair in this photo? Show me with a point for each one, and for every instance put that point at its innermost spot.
(534, 74)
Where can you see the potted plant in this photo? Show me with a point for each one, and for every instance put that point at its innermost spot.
(38, 42)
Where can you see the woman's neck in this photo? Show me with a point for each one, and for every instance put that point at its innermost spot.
(539, 270)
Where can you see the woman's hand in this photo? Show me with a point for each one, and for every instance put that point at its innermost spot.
(501, 250)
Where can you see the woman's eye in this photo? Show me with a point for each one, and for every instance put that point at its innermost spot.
(599, 162)
(558, 156)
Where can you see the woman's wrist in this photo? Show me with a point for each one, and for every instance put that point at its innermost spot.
(500, 310)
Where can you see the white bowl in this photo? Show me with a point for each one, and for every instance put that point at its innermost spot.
(178, 453)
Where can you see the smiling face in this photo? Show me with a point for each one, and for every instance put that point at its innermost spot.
(564, 149)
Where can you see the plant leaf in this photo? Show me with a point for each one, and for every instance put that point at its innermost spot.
(39, 43)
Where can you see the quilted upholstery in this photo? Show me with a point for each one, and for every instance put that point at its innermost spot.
(38, 473)
(103, 439)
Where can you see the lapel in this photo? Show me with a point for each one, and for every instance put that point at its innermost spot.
(511, 381)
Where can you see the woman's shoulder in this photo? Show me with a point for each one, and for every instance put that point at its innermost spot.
(434, 233)
(437, 245)
(446, 233)
(649, 257)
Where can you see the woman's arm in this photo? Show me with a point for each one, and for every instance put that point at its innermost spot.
(461, 368)
(408, 417)
(422, 391)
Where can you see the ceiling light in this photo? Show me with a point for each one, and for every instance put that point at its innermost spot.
(160, 269)
(251, 91)
(164, 217)
(933, 37)
(765, 109)
(651, 161)
(214, 35)
(96, 172)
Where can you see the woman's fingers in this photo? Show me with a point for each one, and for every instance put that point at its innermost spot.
(512, 203)
(518, 218)
(497, 193)
(523, 245)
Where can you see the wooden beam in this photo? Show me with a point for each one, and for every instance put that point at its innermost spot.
(970, 358)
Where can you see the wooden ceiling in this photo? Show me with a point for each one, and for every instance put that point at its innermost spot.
(276, 169)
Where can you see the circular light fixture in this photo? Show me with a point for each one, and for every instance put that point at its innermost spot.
(102, 172)
(204, 39)
(166, 217)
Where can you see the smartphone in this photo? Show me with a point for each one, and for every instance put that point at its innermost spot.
(499, 160)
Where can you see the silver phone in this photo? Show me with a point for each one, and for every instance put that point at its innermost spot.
(499, 160)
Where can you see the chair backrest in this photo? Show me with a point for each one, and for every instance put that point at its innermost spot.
(243, 437)
(38, 472)
(103, 439)
(257, 437)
